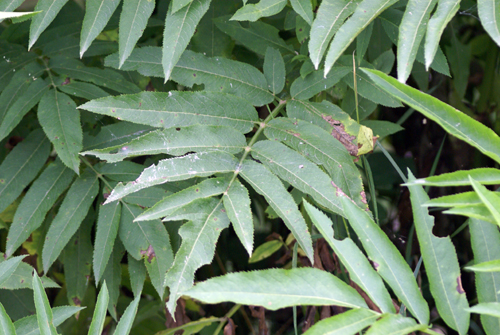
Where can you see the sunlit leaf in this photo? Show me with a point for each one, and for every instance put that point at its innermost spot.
(395, 324)
(489, 14)
(180, 168)
(126, 321)
(277, 288)
(175, 109)
(489, 266)
(43, 312)
(176, 142)
(29, 324)
(99, 316)
(8, 267)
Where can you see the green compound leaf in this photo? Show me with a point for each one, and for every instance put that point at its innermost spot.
(180, 168)
(485, 242)
(331, 15)
(49, 8)
(237, 205)
(257, 37)
(350, 322)
(6, 323)
(411, 32)
(323, 149)
(149, 240)
(486, 308)
(484, 176)
(77, 256)
(43, 312)
(73, 210)
(264, 8)
(176, 142)
(97, 15)
(445, 11)
(278, 288)
(364, 14)
(21, 166)
(29, 324)
(299, 172)
(267, 184)
(360, 269)
(315, 82)
(441, 264)
(8, 267)
(133, 21)
(304, 9)
(170, 204)
(199, 238)
(60, 120)
(99, 315)
(102, 77)
(179, 28)
(37, 202)
(217, 74)
(112, 276)
(175, 109)
(395, 324)
(489, 14)
(452, 120)
(107, 229)
(387, 260)
(274, 70)
(126, 321)
(29, 98)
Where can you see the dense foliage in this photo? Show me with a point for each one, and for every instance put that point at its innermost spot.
(133, 134)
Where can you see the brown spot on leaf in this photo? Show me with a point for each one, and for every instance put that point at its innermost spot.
(66, 81)
(363, 197)
(460, 289)
(375, 265)
(149, 252)
(340, 134)
(76, 301)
